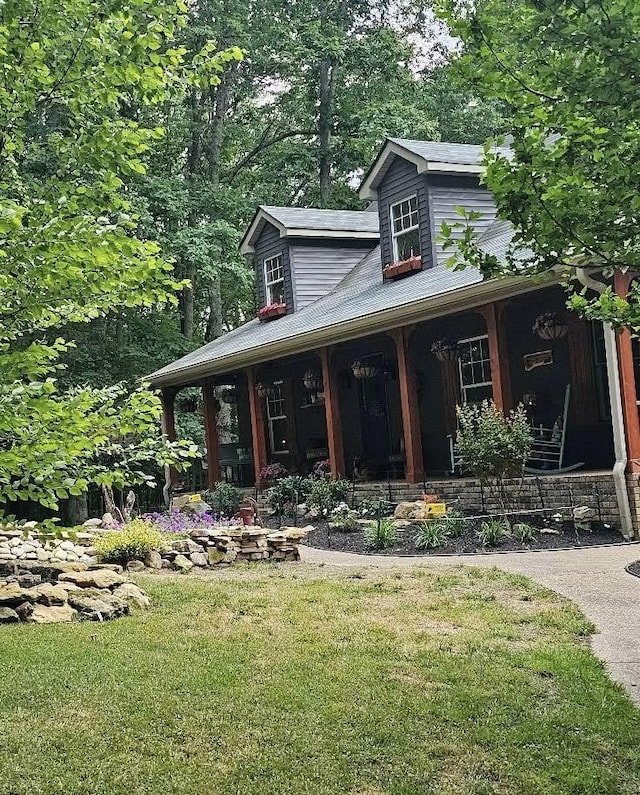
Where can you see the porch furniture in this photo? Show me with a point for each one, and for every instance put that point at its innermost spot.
(547, 451)
(235, 464)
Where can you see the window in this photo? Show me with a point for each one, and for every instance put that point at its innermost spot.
(277, 420)
(405, 231)
(274, 280)
(475, 369)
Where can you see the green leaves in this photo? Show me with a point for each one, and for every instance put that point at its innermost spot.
(571, 189)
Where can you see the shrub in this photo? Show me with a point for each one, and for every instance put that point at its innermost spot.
(455, 522)
(432, 534)
(271, 473)
(375, 507)
(380, 535)
(523, 532)
(224, 498)
(325, 494)
(493, 447)
(133, 542)
(344, 519)
(282, 496)
(492, 533)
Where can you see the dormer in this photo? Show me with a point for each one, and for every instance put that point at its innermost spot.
(418, 185)
(300, 255)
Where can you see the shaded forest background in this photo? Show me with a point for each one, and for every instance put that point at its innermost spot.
(293, 123)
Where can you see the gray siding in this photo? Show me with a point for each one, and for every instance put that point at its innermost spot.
(318, 269)
(447, 193)
(400, 182)
(270, 244)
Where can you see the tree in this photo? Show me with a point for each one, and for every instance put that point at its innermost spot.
(72, 73)
(566, 70)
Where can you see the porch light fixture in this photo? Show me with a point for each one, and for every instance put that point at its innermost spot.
(361, 368)
(549, 326)
(312, 381)
(445, 350)
(265, 390)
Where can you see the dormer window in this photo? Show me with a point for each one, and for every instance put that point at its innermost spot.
(274, 280)
(405, 229)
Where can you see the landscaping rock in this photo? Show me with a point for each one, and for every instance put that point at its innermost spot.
(199, 559)
(215, 555)
(96, 578)
(154, 560)
(50, 595)
(182, 564)
(130, 593)
(95, 604)
(24, 610)
(41, 614)
(111, 566)
(135, 565)
(8, 616)
(409, 510)
(12, 594)
(94, 522)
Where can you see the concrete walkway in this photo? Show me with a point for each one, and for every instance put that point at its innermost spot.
(593, 578)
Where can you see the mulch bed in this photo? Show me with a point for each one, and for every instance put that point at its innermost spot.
(634, 568)
(323, 537)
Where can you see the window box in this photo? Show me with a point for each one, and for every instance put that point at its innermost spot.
(271, 311)
(402, 267)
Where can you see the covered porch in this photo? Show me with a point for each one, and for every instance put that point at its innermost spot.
(382, 406)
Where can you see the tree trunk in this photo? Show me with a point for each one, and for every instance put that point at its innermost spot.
(214, 323)
(325, 121)
(78, 509)
(221, 106)
(186, 304)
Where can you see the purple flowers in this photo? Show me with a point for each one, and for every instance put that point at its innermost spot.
(272, 472)
(177, 521)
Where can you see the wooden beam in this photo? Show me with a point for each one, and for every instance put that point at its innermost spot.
(628, 381)
(258, 437)
(498, 354)
(414, 466)
(332, 415)
(168, 400)
(210, 414)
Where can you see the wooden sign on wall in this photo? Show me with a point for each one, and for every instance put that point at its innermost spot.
(537, 359)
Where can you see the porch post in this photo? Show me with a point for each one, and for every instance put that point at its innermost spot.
(168, 400)
(628, 381)
(210, 413)
(409, 407)
(500, 380)
(332, 415)
(258, 439)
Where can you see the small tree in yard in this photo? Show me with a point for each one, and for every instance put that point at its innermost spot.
(493, 447)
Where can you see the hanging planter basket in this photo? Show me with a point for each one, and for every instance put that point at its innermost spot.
(549, 326)
(265, 390)
(361, 368)
(312, 381)
(445, 350)
(229, 394)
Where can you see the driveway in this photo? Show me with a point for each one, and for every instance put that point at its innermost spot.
(593, 578)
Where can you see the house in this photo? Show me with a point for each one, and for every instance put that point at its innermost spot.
(366, 340)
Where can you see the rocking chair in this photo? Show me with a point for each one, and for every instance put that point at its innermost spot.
(547, 452)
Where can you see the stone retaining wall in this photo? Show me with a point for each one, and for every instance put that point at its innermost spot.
(556, 493)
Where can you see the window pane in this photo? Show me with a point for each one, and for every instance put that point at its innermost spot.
(476, 394)
(279, 435)
(408, 244)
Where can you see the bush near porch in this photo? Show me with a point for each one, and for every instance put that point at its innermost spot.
(319, 682)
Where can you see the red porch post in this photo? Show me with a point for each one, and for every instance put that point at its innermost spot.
(258, 439)
(409, 407)
(628, 381)
(500, 379)
(168, 400)
(210, 413)
(332, 415)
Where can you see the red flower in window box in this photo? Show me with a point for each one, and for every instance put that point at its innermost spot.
(402, 267)
(270, 311)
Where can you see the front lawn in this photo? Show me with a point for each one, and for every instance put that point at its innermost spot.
(308, 681)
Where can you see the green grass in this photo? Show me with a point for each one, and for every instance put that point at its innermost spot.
(304, 681)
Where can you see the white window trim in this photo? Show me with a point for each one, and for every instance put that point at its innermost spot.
(269, 284)
(464, 387)
(270, 420)
(394, 234)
